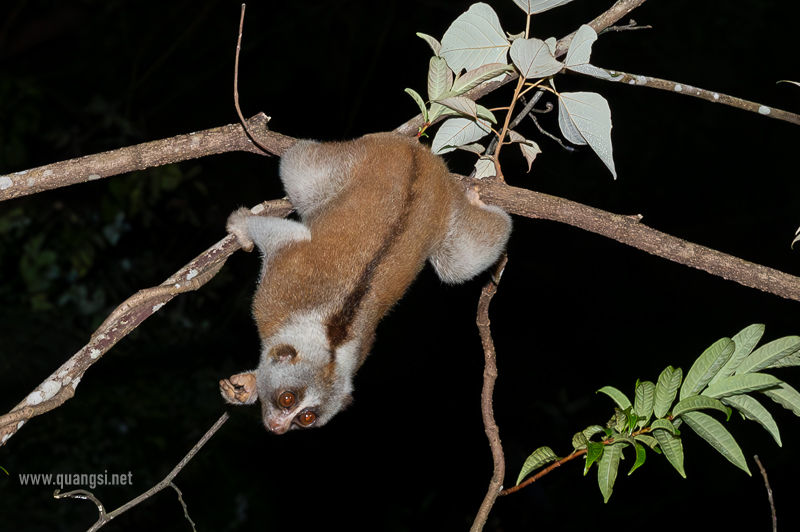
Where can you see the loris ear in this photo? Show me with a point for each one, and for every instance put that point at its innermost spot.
(239, 389)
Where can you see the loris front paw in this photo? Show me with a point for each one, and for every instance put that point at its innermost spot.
(239, 389)
(237, 226)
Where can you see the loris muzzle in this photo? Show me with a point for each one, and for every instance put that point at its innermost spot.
(372, 211)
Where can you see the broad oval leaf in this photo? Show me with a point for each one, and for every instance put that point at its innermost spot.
(456, 132)
(718, 436)
(667, 388)
(593, 430)
(768, 354)
(529, 148)
(745, 341)
(580, 49)
(706, 366)
(485, 168)
(579, 441)
(475, 39)
(737, 384)
(539, 457)
(585, 118)
(533, 58)
(462, 105)
(786, 396)
(644, 401)
(618, 397)
(534, 7)
(753, 410)
(672, 448)
(698, 402)
(440, 78)
(641, 455)
(607, 467)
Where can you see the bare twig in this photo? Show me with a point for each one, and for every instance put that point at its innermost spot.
(630, 26)
(106, 517)
(769, 494)
(703, 94)
(489, 376)
(185, 509)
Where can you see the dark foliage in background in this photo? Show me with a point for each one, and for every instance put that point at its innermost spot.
(574, 312)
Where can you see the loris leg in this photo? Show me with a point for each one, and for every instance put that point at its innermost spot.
(476, 235)
(268, 233)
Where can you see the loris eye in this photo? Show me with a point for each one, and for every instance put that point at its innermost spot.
(286, 399)
(306, 418)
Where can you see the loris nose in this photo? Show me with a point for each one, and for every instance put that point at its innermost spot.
(277, 426)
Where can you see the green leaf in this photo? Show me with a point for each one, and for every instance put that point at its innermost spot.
(486, 114)
(579, 441)
(768, 354)
(666, 390)
(433, 43)
(641, 455)
(706, 367)
(745, 341)
(699, 402)
(749, 382)
(533, 58)
(420, 103)
(753, 410)
(644, 401)
(786, 396)
(539, 457)
(663, 424)
(440, 78)
(618, 397)
(594, 451)
(620, 420)
(607, 468)
(475, 77)
(718, 436)
(672, 449)
(647, 440)
(456, 132)
(592, 430)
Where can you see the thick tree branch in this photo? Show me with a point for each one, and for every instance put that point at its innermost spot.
(160, 152)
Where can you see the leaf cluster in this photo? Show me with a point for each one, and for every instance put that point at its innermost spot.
(723, 378)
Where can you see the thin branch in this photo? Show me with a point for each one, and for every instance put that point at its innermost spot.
(769, 494)
(489, 377)
(60, 386)
(703, 94)
(106, 517)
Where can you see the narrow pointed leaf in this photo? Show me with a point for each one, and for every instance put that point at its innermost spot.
(618, 397)
(593, 430)
(539, 457)
(607, 468)
(486, 114)
(641, 455)
(768, 354)
(457, 132)
(533, 58)
(663, 424)
(585, 118)
(706, 366)
(475, 39)
(698, 402)
(594, 451)
(647, 440)
(475, 77)
(644, 401)
(461, 105)
(433, 43)
(786, 396)
(745, 341)
(753, 410)
(440, 78)
(534, 7)
(718, 436)
(667, 388)
(579, 441)
(420, 103)
(749, 382)
(672, 448)
(529, 148)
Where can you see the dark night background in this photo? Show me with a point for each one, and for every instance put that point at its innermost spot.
(575, 311)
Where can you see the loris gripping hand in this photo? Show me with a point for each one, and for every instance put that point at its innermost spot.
(372, 211)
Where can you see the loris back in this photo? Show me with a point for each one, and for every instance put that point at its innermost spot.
(373, 210)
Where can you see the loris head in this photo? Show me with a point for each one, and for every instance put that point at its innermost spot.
(300, 382)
